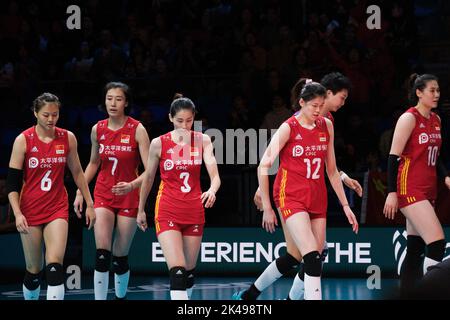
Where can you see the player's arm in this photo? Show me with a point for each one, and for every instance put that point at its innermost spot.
(277, 143)
(124, 187)
(335, 179)
(442, 171)
(403, 129)
(73, 162)
(209, 197)
(14, 181)
(91, 168)
(154, 154)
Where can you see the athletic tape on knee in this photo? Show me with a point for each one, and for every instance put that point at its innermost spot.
(102, 260)
(120, 265)
(54, 274)
(178, 278)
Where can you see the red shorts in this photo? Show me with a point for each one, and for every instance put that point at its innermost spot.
(404, 201)
(287, 212)
(126, 212)
(185, 229)
(38, 220)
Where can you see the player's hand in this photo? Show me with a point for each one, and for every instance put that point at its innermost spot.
(141, 220)
(391, 205)
(208, 198)
(90, 217)
(122, 188)
(269, 220)
(354, 185)
(78, 204)
(351, 218)
(447, 182)
(258, 200)
(21, 223)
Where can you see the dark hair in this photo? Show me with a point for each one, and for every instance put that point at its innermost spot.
(417, 82)
(335, 82)
(118, 85)
(307, 90)
(181, 103)
(43, 99)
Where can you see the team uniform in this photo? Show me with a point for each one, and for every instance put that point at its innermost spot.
(178, 204)
(119, 155)
(43, 197)
(416, 178)
(300, 184)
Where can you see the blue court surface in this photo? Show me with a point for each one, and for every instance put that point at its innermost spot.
(149, 287)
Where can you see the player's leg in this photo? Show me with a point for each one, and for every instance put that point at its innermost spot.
(171, 242)
(34, 260)
(103, 229)
(298, 285)
(125, 230)
(55, 238)
(424, 220)
(191, 248)
(300, 228)
(277, 268)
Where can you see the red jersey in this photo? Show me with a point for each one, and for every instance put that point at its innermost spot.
(416, 178)
(330, 116)
(119, 155)
(179, 195)
(300, 183)
(44, 197)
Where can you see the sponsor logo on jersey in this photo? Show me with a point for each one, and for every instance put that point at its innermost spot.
(59, 149)
(298, 137)
(423, 138)
(170, 151)
(33, 162)
(422, 126)
(125, 138)
(101, 148)
(168, 165)
(194, 152)
(102, 137)
(35, 149)
(322, 137)
(297, 151)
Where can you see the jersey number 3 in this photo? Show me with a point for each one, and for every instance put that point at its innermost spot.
(185, 177)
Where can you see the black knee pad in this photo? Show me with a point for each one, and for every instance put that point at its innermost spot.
(285, 263)
(301, 271)
(436, 250)
(120, 265)
(102, 260)
(178, 278)
(324, 252)
(190, 278)
(313, 264)
(415, 246)
(32, 281)
(55, 274)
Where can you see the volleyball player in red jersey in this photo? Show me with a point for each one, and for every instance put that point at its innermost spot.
(39, 157)
(305, 144)
(179, 212)
(412, 172)
(337, 87)
(118, 144)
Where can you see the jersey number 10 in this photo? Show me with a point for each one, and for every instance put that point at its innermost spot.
(432, 155)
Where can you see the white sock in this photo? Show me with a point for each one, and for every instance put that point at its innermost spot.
(178, 295)
(31, 294)
(189, 292)
(297, 291)
(313, 288)
(55, 292)
(428, 262)
(121, 284)
(269, 276)
(101, 281)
